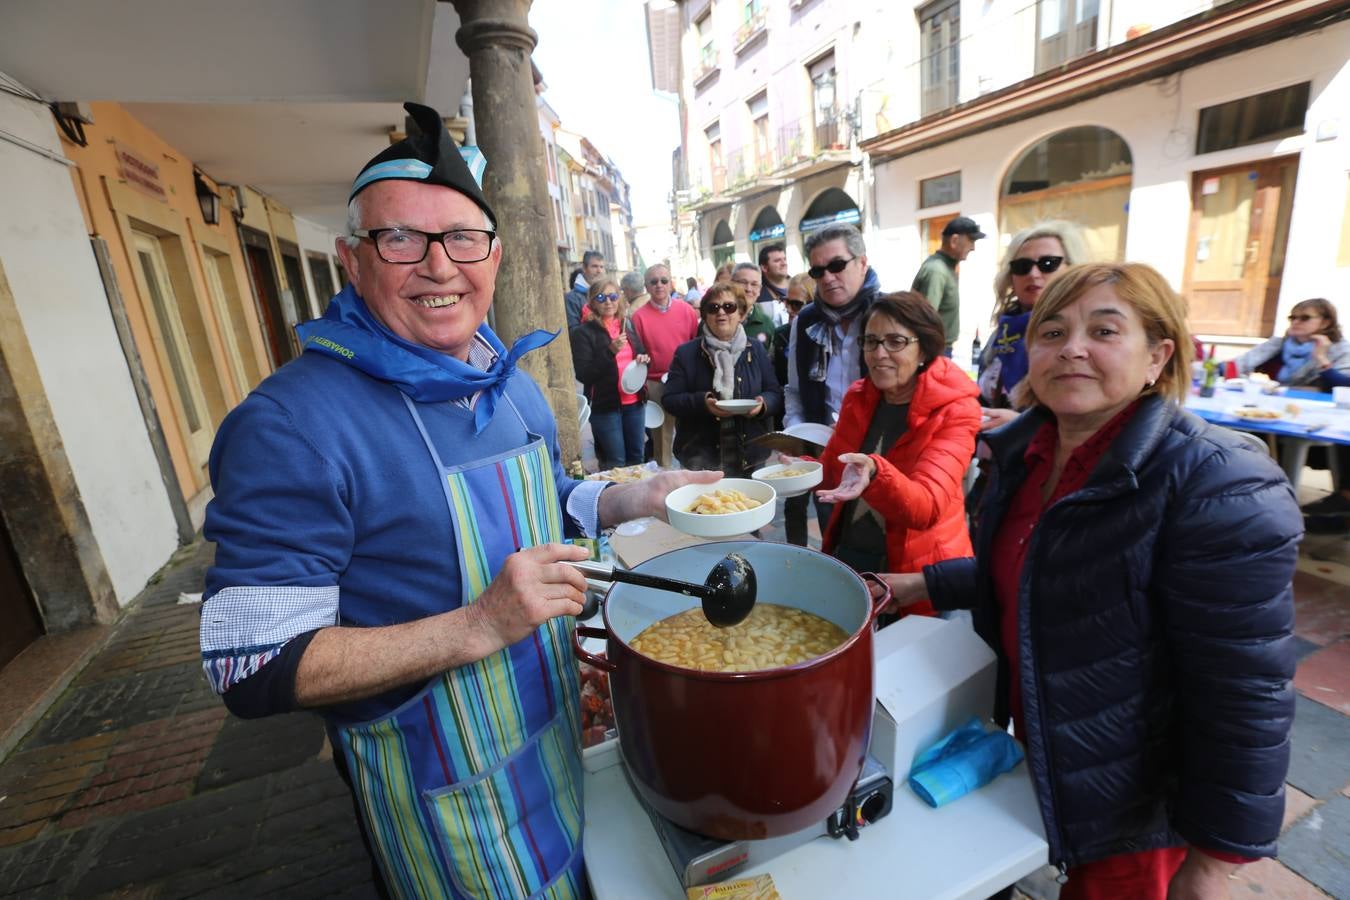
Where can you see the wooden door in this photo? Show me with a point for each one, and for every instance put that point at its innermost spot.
(20, 624)
(1235, 252)
(175, 352)
(930, 231)
(264, 276)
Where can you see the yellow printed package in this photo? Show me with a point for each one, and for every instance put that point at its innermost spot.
(758, 888)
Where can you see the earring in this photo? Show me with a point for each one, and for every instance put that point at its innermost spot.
(1148, 384)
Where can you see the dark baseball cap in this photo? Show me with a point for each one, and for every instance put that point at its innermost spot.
(964, 225)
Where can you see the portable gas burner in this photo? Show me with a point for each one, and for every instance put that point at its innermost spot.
(698, 859)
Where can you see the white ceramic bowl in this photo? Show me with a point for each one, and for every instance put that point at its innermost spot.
(653, 416)
(792, 485)
(679, 500)
(740, 407)
(633, 377)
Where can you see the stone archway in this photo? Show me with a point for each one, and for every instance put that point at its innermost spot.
(768, 228)
(1082, 175)
(831, 206)
(723, 243)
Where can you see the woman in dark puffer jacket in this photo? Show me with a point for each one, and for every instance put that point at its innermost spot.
(1133, 571)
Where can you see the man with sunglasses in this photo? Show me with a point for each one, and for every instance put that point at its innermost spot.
(388, 518)
(937, 277)
(663, 326)
(823, 353)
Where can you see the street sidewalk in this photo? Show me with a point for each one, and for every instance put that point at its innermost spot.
(137, 783)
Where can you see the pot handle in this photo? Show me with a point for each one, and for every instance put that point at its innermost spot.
(586, 656)
(880, 603)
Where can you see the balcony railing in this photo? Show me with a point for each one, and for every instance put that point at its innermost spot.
(754, 26)
(829, 134)
(792, 144)
(708, 63)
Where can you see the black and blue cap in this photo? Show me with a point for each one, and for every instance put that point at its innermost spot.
(428, 154)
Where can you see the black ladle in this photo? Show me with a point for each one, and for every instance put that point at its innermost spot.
(728, 593)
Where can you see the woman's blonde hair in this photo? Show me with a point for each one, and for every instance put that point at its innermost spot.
(1161, 309)
(805, 282)
(595, 290)
(1070, 237)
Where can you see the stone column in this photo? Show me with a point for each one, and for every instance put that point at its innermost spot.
(496, 37)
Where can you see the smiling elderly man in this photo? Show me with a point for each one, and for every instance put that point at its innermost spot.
(388, 517)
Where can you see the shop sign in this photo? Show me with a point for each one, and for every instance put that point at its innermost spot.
(768, 234)
(843, 217)
(139, 172)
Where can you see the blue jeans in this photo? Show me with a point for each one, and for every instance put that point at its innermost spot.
(619, 435)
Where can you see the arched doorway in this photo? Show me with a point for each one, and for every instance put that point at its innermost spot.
(1080, 174)
(831, 207)
(768, 229)
(723, 244)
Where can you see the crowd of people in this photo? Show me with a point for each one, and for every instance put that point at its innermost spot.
(1094, 550)
(390, 510)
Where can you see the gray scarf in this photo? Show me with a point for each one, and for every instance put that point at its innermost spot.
(725, 354)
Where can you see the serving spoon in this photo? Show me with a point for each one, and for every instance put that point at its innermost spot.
(728, 593)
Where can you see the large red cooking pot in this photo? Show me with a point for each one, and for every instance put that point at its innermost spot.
(743, 755)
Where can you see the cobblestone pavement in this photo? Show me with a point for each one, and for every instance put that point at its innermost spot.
(138, 784)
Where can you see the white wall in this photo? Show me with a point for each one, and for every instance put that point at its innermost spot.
(61, 302)
(1158, 120)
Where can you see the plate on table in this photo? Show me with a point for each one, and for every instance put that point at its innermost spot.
(721, 503)
(791, 479)
(739, 407)
(1260, 414)
(633, 377)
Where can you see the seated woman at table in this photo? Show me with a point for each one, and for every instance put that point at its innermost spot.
(721, 364)
(1133, 573)
(602, 346)
(1036, 256)
(1311, 345)
(901, 446)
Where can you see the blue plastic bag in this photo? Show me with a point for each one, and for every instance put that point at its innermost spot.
(961, 762)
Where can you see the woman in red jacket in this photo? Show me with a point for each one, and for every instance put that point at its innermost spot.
(905, 435)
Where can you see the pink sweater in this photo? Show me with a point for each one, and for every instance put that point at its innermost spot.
(662, 332)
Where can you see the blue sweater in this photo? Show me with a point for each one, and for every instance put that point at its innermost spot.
(326, 494)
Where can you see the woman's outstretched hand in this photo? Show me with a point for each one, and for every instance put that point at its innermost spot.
(906, 589)
(858, 471)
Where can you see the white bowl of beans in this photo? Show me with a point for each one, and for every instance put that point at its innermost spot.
(724, 508)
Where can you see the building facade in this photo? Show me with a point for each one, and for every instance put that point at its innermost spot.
(1203, 138)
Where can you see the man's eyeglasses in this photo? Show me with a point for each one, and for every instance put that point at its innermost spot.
(892, 342)
(795, 304)
(1047, 264)
(834, 267)
(1301, 317)
(408, 246)
(658, 281)
(606, 298)
(713, 308)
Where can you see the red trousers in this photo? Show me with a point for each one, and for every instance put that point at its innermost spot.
(1138, 876)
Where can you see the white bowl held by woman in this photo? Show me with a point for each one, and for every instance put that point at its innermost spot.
(739, 407)
(727, 524)
(633, 377)
(791, 485)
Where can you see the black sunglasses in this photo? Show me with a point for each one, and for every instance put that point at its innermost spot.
(795, 304)
(658, 281)
(834, 267)
(1047, 264)
(606, 298)
(1301, 317)
(727, 308)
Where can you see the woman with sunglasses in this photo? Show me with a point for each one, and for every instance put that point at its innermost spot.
(1036, 256)
(721, 364)
(602, 346)
(1310, 346)
(905, 435)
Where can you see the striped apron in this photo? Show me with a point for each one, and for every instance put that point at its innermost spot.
(472, 788)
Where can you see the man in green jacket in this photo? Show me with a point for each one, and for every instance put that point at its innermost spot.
(758, 326)
(937, 279)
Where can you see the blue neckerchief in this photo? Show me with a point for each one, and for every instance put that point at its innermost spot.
(348, 332)
(1294, 356)
(1010, 346)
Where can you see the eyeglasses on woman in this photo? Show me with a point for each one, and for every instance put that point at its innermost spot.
(714, 308)
(1046, 264)
(894, 343)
